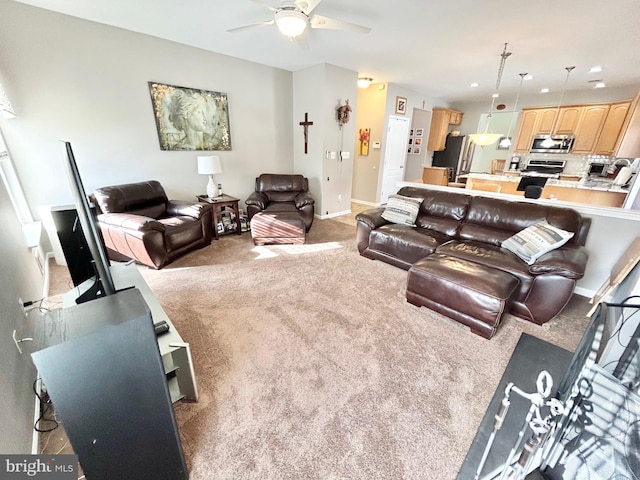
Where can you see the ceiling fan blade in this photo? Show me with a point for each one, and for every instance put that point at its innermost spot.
(251, 25)
(264, 4)
(318, 21)
(308, 6)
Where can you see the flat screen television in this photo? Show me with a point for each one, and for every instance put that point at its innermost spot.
(103, 282)
(527, 181)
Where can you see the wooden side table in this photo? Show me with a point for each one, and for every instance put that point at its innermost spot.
(219, 205)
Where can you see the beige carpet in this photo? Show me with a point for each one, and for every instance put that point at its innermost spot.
(311, 365)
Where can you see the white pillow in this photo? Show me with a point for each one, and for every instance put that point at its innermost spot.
(536, 240)
(402, 210)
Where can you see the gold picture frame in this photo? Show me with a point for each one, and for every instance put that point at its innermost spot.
(401, 105)
(190, 118)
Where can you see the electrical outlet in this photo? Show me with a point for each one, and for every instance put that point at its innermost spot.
(339, 198)
(24, 310)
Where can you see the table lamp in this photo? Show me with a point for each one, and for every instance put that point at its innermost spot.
(210, 165)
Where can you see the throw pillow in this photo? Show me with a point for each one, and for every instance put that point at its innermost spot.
(536, 240)
(402, 210)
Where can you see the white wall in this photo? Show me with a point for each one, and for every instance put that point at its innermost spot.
(75, 80)
(319, 91)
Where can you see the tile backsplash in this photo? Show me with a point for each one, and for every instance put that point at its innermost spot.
(577, 165)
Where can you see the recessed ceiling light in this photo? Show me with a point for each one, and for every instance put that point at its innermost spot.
(495, 95)
(474, 84)
(599, 85)
(595, 69)
(544, 90)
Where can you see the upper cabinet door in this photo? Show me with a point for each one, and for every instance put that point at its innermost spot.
(546, 121)
(526, 130)
(568, 120)
(612, 128)
(589, 128)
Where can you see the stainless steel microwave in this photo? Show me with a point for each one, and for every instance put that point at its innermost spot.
(555, 144)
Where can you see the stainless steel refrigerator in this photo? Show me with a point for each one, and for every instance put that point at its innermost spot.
(456, 156)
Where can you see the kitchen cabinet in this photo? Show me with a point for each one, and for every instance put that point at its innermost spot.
(526, 130)
(598, 129)
(612, 128)
(534, 121)
(546, 119)
(456, 118)
(568, 120)
(441, 118)
(589, 128)
(628, 145)
(435, 175)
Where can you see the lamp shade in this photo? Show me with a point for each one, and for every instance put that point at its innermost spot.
(291, 22)
(209, 165)
(484, 139)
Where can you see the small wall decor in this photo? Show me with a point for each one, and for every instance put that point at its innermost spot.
(364, 136)
(343, 113)
(305, 125)
(401, 105)
(419, 132)
(189, 118)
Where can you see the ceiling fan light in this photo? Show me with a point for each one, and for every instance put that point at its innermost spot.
(291, 22)
(484, 139)
(364, 82)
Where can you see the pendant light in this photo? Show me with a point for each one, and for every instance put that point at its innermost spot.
(485, 138)
(506, 141)
(548, 142)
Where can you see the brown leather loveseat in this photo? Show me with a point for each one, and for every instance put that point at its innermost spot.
(139, 222)
(470, 230)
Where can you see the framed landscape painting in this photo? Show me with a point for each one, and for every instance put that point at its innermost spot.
(189, 118)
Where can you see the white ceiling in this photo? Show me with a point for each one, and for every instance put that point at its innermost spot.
(434, 47)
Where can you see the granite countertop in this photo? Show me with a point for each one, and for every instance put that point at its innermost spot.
(587, 184)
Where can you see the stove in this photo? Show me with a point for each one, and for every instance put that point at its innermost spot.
(544, 167)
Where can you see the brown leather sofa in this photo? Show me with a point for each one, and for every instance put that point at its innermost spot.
(139, 222)
(471, 229)
(277, 193)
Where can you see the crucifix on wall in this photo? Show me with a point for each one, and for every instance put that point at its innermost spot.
(306, 124)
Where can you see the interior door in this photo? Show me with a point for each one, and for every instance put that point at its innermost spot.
(395, 155)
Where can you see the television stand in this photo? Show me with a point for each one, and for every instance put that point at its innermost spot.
(175, 353)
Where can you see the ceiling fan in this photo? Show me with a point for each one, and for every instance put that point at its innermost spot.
(292, 17)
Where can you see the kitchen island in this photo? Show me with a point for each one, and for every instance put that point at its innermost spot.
(586, 191)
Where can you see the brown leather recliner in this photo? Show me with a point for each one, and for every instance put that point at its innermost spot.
(139, 222)
(277, 193)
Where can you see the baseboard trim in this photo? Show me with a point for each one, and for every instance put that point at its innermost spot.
(332, 215)
(585, 292)
(364, 202)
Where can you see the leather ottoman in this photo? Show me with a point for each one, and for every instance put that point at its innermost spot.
(470, 293)
(277, 227)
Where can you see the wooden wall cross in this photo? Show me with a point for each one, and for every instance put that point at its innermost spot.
(306, 124)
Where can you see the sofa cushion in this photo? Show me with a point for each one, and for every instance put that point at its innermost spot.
(404, 242)
(143, 198)
(440, 211)
(402, 210)
(536, 240)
